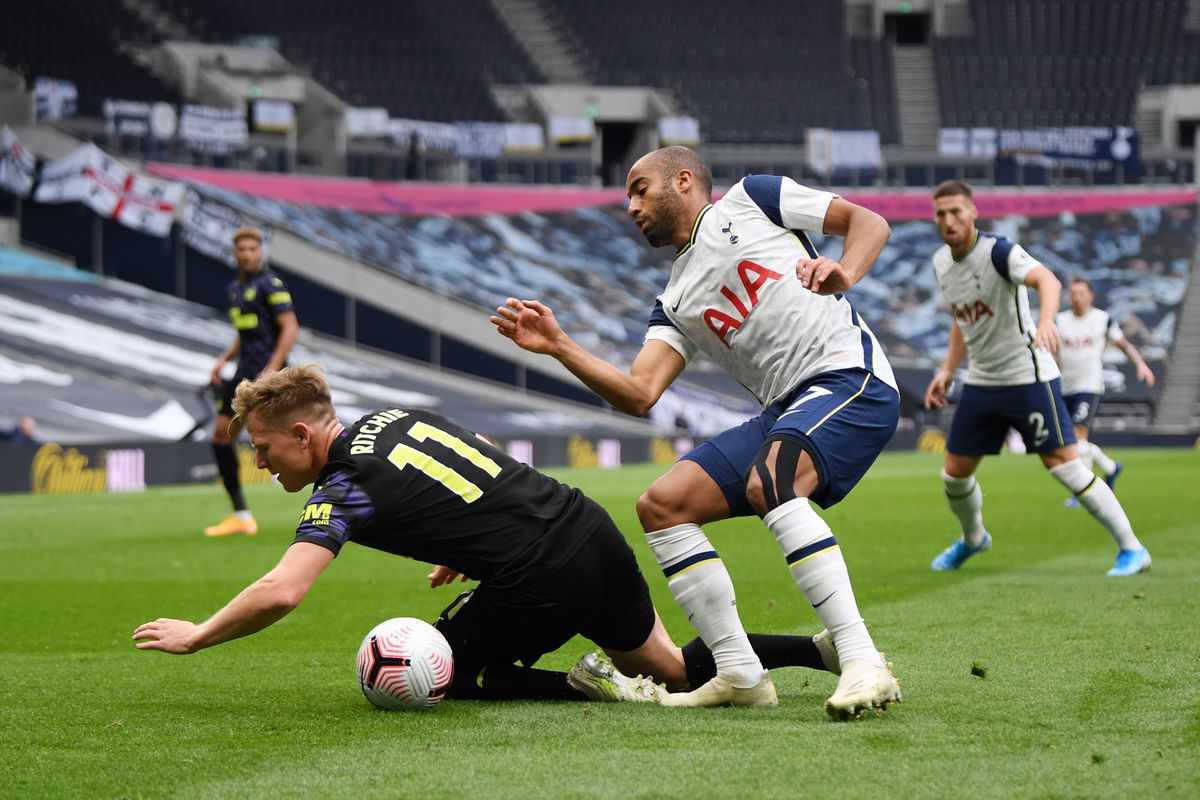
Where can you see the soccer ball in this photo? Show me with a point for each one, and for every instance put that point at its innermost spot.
(405, 663)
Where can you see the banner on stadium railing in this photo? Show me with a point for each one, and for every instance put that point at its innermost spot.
(17, 166)
(208, 228)
(524, 137)
(366, 123)
(54, 99)
(96, 179)
(967, 142)
(1101, 151)
(273, 116)
(829, 151)
(571, 130)
(214, 130)
(141, 120)
(440, 136)
(679, 130)
(479, 139)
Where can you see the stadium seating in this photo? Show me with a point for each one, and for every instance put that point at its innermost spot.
(592, 266)
(401, 56)
(755, 84)
(1037, 63)
(78, 41)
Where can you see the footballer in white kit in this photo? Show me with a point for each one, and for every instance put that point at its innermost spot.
(1085, 332)
(749, 290)
(1012, 381)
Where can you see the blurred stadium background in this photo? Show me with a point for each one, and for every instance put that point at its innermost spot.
(416, 162)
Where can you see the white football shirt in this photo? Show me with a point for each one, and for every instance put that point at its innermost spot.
(990, 303)
(1081, 354)
(734, 294)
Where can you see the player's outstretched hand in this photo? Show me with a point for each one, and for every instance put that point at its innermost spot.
(443, 575)
(1047, 337)
(168, 635)
(529, 323)
(935, 395)
(823, 275)
(1144, 374)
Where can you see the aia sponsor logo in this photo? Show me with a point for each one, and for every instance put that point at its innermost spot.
(727, 318)
(971, 312)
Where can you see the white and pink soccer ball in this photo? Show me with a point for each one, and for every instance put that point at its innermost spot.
(405, 663)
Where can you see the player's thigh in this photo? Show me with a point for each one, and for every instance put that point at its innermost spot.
(226, 429)
(1038, 413)
(605, 596)
(687, 492)
(484, 626)
(709, 483)
(1082, 408)
(980, 423)
(826, 438)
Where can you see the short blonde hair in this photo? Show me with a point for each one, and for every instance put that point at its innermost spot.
(247, 232)
(293, 393)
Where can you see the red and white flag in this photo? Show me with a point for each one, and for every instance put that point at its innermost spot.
(91, 176)
(17, 165)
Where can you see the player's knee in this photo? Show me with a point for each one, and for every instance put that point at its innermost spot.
(658, 509)
(756, 495)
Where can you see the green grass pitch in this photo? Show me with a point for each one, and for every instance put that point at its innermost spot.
(1088, 686)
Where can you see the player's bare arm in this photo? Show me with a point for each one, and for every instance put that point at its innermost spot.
(231, 352)
(532, 326)
(935, 395)
(1144, 373)
(289, 329)
(262, 603)
(866, 233)
(1049, 289)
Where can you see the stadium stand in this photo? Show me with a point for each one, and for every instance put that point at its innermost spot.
(401, 56)
(84, 44)
(751, 84)
(99, 359)
(1062, 62)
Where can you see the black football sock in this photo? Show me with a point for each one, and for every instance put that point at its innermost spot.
(773, 651)
(511, 682)
(227, 466)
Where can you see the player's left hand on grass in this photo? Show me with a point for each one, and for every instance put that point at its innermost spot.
(823, 275)
(168, 635)
(1047, 337)
(443, 575)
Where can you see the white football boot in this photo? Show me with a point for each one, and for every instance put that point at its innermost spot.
(863, 686)
(720, 692)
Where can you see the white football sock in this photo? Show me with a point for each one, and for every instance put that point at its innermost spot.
(244, 515)
(1100, 459)
(701, 586)
(966, 502)
(1085, 452)
(816, 564)
(1099, 500)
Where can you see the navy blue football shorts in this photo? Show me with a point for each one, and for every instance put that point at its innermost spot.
(1082, 407)
(842, 419)
(985, 413)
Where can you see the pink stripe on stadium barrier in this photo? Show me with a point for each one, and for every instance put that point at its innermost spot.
(374, 197)
(910, 206)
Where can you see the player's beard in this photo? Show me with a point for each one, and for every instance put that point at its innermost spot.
(664, 219)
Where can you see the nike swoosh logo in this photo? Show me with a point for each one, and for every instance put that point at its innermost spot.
(831, 594)
(675, 307)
